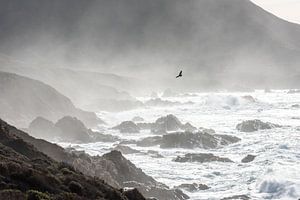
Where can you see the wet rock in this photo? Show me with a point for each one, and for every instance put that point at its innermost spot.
(125, 149)
(165, 124)
(248, 158)
(196, 140)
(100, 137)
(255, 125)
(137, 119)
(237, 197)
(188, 127)
(201, 157)
(73, 130)
(127, 127)
(249, 98)
(193, 187)
(149, 141)
(294, 91)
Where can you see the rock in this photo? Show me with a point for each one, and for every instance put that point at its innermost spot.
(201, 157)
(27, 170)
(44, 129)
(248, 158)
(167, 123)
(100, 137)
(149, 141)
(133, 194)
(145, 126)
(188, 127)
(206, 130)
(193, 187)
(296, 106)
(196, 140)
(127, 127)
(237, 197)
(137, 119)
(73, 130)
(125, 149)
(169, 93)
(294, 91)
(254, 125)
(249, 98)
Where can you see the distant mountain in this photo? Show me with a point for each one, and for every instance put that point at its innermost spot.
(23, 99)
(217, 43)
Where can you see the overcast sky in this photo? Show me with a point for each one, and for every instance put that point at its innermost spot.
(286, 9)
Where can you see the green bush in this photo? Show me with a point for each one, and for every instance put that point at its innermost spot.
(36, 195)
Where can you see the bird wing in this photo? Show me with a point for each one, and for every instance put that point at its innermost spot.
(180, 73)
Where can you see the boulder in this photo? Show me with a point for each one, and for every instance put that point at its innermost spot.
(248, 158)
(255, 125)
(201, 157)
(73, 130)
(127, 127)
(193, 187)
(165, 124)
(196, 140)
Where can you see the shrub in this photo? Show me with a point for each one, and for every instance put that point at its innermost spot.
(36, 195)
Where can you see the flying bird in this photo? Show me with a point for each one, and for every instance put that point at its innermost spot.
(179, 75)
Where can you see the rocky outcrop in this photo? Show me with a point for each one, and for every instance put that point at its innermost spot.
(24, 169)
(201, 157)
(43, 128)
(23, 99)
(127, 127)
(73, 130)
(193, 187)
(149, 141)
(248, 158)
(255, 125)
(170, 123)
(196, 140)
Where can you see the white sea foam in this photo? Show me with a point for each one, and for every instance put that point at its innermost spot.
(275, 172)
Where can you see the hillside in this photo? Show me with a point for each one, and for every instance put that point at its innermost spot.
(23, 99)
(217, 43)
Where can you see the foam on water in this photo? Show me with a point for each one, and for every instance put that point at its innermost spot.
(275, 172)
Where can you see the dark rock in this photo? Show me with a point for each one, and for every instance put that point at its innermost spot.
(125, 149)
(137, 119)
(201, 157)
(196, 140)
(127, 127)
(100, 137)
(254, 125)
(248, 158)
(73, 130)
(294, 91)
(193, 187)
(249, 98)
(237, 197)
(133, 194)
(165, 124)
(296, 106)
(149, 141)
(27, 169)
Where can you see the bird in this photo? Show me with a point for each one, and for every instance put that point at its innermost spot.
(179, 75)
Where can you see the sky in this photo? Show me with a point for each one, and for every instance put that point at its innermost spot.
(286, 9)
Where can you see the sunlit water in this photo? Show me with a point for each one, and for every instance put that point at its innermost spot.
(274, 174)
